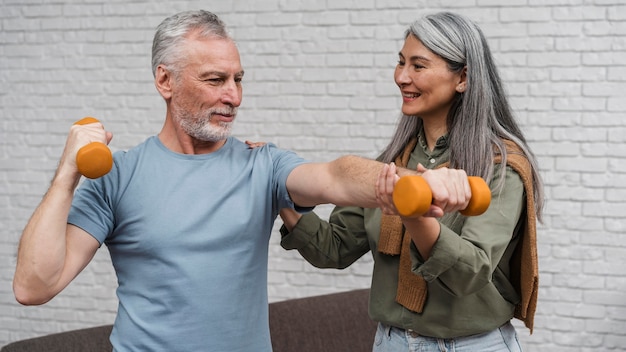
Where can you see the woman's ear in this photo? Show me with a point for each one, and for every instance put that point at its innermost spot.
(163, 82)
(462, 85)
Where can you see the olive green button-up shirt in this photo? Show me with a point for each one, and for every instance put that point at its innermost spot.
(469, 290)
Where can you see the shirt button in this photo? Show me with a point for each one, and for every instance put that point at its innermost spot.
(432, 160)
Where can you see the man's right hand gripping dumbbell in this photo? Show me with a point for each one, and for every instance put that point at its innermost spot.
(94, 158)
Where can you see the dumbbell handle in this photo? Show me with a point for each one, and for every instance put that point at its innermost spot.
(94, 159)
(413, 197)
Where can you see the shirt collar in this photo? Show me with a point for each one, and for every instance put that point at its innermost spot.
(440, 146)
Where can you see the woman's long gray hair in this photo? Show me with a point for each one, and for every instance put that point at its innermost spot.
(480, 118)
(172, 32)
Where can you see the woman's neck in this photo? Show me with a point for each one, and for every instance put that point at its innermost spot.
(433, 130)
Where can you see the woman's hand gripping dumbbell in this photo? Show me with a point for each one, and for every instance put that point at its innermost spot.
(94, 159)
(412, 195)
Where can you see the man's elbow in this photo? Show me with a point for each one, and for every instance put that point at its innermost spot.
(29, 297)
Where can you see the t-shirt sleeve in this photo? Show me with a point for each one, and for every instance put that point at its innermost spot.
(284, 162)
(91, 207)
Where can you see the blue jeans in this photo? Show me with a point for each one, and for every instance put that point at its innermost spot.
(391, 339)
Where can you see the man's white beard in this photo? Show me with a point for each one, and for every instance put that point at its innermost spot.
(200, 127)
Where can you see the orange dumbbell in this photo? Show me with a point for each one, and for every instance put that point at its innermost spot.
(413, 197)
(93, 160)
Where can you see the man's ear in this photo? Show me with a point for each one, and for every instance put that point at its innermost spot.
(163, 81)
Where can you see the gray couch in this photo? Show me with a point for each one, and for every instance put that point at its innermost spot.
(335, 322)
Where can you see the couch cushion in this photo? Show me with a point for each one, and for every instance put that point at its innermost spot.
(336, 322)
(91, 339)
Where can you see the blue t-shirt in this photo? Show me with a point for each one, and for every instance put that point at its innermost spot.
(188, 237)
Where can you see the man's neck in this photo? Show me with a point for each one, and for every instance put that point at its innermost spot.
(176, 140)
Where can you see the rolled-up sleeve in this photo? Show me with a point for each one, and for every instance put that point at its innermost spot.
(469, 249)
(336, 243)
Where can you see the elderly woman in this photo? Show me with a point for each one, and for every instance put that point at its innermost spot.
(443, 282)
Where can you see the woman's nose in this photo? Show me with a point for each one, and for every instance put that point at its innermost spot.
(401, 77)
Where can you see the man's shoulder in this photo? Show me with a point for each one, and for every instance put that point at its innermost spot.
(268, 149)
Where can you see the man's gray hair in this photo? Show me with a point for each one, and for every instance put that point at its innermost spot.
(173, 31)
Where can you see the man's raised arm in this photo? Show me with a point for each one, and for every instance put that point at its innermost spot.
(348, 180)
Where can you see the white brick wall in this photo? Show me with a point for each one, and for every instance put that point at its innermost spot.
(319, 81)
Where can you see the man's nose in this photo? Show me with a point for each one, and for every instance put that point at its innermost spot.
(231, 93)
